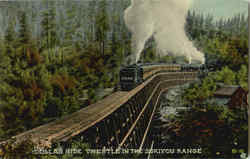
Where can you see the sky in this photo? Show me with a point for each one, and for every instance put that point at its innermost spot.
(221, 8)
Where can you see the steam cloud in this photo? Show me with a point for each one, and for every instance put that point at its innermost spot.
(165, 21)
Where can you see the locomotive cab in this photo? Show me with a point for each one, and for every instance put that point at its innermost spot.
(130, 77)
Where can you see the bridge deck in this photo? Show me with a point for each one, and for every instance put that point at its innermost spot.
(74, 123)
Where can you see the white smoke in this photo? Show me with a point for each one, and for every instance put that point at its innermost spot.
(165, 21)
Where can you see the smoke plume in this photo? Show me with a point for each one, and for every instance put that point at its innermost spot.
(165, 21)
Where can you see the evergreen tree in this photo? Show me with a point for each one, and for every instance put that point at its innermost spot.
(91, 18)
(71, 27)
(242, 78)
(48, 24)
(10, 37)
(102, 25)
(71, 24)
(24, 32)
(189, 23)
(10, 33)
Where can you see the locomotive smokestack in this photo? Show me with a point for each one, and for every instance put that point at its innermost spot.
(165, 20)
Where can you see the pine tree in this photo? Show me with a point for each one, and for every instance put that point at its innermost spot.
(48, 24)
(24, 32)
(242, 77)
(91, 18)
(10, 37)
(71, 26)
(189, 23)
(102, 25)
(10, 33)
(48, 34)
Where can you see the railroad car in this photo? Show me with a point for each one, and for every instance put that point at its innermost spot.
(192, 67)
(133, 75)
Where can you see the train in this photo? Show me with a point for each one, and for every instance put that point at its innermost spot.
(133, 75)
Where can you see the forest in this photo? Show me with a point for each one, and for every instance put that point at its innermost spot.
(57, 56)
(53, 62)
(220, 132)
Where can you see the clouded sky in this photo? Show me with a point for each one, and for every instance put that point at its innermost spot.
(221, 8)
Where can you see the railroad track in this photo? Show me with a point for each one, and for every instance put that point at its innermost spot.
(71, 125)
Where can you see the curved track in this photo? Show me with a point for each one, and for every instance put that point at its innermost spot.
(71, 125)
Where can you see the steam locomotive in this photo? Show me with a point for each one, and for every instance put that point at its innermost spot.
(135, 74)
